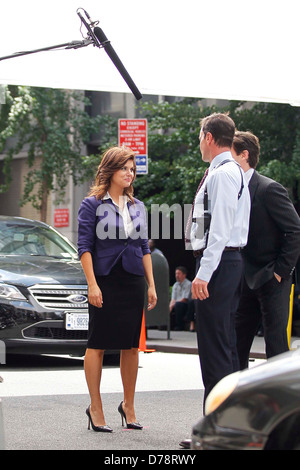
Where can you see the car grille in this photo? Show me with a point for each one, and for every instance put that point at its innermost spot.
(53, 330)
(60, 297)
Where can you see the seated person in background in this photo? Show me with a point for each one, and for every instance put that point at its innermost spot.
(181, 303)
(152, 247)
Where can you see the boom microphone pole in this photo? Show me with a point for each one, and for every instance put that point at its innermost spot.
(100, 40)
(96, 37)
(117, 62)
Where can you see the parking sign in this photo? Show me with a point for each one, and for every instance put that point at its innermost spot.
(133, 134)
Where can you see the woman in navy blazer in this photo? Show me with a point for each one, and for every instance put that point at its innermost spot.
(115, 256)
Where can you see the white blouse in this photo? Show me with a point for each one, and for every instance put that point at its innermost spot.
(127, 221)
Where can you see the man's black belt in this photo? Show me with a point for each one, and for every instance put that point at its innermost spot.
(197, 253)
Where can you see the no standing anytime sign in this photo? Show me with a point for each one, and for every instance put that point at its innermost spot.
(133, 134)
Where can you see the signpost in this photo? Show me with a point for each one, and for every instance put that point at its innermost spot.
(133, 134)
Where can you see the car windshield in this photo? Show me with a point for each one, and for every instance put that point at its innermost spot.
(28, 239)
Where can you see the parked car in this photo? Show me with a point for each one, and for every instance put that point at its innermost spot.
(43, 291)
(258, 408)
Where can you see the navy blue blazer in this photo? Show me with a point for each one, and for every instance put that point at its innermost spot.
(101, 232)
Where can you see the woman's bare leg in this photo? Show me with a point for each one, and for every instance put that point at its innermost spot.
(93, 369)
(129, 367)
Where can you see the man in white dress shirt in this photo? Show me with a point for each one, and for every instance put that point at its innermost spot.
(217, 248)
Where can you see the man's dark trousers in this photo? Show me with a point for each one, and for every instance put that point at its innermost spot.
(269, 305)
(215, 321)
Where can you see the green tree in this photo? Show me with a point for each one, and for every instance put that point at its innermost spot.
(51, 126)
(278, 128)
(175, 165)
(109, 133)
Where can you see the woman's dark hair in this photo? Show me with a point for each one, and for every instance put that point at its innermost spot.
(113, 160)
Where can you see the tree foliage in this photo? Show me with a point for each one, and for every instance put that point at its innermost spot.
(51, 126)
(175, 164)
(278, 128)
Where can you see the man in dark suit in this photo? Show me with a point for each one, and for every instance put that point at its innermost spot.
(270, 256)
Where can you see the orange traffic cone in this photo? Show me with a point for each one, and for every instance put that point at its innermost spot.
(142, 345)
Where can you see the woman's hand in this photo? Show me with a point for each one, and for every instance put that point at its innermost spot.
(152, 298)
(94, 293)
(95, 296)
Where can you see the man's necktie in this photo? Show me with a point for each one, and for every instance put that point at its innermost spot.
(189, 222)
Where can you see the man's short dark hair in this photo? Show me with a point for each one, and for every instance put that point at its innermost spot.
(221, 126)
(247, 141)
(182, 269)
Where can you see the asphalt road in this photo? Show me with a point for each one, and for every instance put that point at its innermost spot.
(44, 400)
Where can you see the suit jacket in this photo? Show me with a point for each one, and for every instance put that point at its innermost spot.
(101, 232)
(274, 233)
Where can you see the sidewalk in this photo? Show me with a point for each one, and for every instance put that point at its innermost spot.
(185, 342)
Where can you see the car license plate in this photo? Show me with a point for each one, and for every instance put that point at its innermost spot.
(77, 321)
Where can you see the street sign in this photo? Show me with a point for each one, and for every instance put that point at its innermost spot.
(61, 217)
(133, 134)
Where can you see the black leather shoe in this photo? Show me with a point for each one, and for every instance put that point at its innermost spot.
(123, 416)
(104, 428)
(186, 443)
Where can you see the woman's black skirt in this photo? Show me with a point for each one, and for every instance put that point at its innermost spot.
(117, 325)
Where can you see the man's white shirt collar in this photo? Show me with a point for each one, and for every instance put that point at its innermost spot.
(249, 174)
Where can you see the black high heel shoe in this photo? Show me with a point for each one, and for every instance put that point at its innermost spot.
(123, 416)
(104, 428)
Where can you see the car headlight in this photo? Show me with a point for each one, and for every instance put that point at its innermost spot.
(11, 292)
(221, 391)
